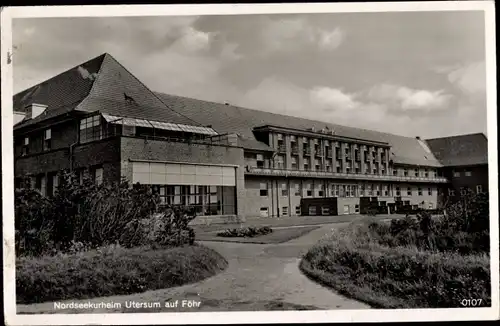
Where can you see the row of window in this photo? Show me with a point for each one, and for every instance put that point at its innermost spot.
(463, 191)
(467, 173)
(46, 142)
(342, 190)
(349, 167)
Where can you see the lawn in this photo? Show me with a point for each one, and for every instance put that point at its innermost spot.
(355, 263)
(112, 271)
(277, 236)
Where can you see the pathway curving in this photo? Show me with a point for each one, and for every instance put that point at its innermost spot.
(259, 277)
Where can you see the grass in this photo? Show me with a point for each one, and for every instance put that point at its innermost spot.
(110, 272)
(277, 236)
(353, 263)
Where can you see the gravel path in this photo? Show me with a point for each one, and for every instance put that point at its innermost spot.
(259, 277)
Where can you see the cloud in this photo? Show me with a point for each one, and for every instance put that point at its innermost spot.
(332, 98)
(193, 41)
(405, 98)
(471, 78)
(297, 33)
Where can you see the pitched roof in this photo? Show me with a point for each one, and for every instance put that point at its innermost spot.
(228, 118)
(471, 149)
(101, 84)
(61, 93)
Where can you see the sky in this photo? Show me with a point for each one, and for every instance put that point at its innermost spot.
(408, 73)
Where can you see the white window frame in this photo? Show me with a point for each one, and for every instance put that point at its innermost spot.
(479, 189)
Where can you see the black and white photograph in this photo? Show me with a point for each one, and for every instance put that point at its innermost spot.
(286, 163)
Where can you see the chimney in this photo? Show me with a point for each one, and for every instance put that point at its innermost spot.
(34, 110)
(19, 116)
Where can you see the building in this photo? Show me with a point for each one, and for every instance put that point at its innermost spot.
(227, 161)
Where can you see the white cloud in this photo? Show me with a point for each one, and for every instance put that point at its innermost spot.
(405, 98)
(293, 34)
(333, 98)
(193, 41)
(331, 40)
(471, 78)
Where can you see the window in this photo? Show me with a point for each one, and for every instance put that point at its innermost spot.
(451, 192)
(284, 189)
(47, 137)
(456, 174)
(90, 129)
(377, 188)
(419, 191)
(264, 211)
(308, 190)
(284, 211)
(342, 190)
(317, 165)
(297, 189)
(398, 192)
(297, 210)
(405, 172)
(429, 191)
(386, 190)
(431, 206)
(26, 145)
(306, 165)
(98, 176)
(337, 190)
(280, 162)
(468, 173)
(479, 189)
(409, 191)
(354, 191)
(416, 172)
(370, 190)
(348, 191)
(325, 210)
(361, 190)
(426, 173)
(263, 189)
(295, 165)
(356, 208)
(55, 183)
(463, 191)
(312, 210)
(260, 161)
(395, 172)
(321, 190)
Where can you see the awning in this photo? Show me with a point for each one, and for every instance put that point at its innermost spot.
(158, 125)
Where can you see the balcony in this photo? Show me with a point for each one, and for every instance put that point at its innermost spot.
(307, 152)
(318, 153)
(295, 150)
(329, 153)
(338, 175)
(281, 148)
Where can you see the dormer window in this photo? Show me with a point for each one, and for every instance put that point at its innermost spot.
(47, 140)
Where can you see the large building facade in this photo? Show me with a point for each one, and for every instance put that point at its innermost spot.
(226, 161)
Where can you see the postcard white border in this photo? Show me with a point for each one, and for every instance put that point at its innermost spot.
(370, 315)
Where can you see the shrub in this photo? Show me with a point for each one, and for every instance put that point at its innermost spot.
(112, 270)
(249, 232)
(89, 215)
(166, 228)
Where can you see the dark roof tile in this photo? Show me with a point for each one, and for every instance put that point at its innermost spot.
(460, 150)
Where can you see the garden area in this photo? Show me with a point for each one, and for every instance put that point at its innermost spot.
(413, 262)
(259, 235)
(91, 240)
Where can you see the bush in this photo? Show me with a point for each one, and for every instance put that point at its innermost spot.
(96, 215)
(248, 232)
(421, 261)
(112, 270)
